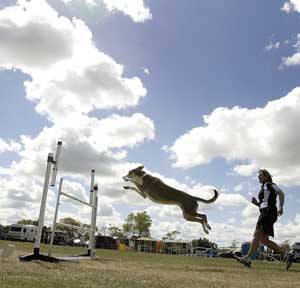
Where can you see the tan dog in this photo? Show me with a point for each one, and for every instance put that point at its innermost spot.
(159, 192)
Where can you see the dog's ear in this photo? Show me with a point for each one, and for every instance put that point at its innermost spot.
(140, 168)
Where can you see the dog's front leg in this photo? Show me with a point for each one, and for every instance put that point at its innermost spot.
(136, 190)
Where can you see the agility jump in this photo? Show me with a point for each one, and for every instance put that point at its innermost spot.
(52, 165)
(93, 204)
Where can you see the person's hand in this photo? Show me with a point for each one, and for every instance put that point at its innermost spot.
(254, 201)
(280, 212)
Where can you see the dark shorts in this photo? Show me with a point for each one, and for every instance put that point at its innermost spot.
(266, 220)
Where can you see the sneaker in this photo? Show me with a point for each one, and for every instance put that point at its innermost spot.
(289, 260)
(244, 260)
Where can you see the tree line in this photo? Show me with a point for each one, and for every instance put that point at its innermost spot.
(135, 225)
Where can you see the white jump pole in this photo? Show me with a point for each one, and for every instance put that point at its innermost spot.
(37, 242)
(92, 185)
(91, 250)
(55, 167)
(55, 216)
(93, 205)
(50, 161)
(36, 250)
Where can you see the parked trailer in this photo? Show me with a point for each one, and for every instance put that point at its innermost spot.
(22, 232)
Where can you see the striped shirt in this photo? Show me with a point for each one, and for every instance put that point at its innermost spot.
(267, 195)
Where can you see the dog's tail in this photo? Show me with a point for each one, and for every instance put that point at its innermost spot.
(213, 199)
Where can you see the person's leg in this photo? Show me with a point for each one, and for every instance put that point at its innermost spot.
(255, 243)
(272, 245)
(280, 250)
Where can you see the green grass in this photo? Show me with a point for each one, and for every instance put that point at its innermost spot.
(131, 269)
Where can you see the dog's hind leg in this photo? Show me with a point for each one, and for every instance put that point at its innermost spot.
(203, 216)
(193, 218)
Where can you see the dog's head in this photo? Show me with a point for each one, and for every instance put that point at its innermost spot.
(135, 175)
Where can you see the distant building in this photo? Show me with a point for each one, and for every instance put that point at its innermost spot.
(147, 244)
(105, 242)
(60, 237)
(177, 247)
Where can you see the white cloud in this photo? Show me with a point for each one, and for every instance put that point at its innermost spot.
(70, 76)
(44, 37)
(293, 60)
(10, 146)
(146, 71)
(272, 46)
(291, 5)
(235, 200)
(88, 143)
(250, 214)
(231, 220)
(135, 9)
(245, 170)
(162, 212)
(262, 137)
(74, 189)
(289, 231)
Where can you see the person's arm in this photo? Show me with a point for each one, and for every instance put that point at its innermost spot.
(254, 201)
(280, 194)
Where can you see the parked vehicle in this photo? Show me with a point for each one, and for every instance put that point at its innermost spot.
(79, 242)
(204, 252)
(296, 249)
(22, 232)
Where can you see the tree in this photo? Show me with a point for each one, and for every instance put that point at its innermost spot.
(69, 230)
(204, 242)
(28, 222)
(128, 226)
(102, 231)
(86, 234)
(114, 231)
(70, 221)
(142, 224)
(171, 235)
(137, 224)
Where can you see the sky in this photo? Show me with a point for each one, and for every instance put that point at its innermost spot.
(202, 93)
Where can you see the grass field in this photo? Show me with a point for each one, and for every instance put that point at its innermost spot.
(131, 269)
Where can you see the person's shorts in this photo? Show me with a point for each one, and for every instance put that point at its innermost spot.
(266, 220)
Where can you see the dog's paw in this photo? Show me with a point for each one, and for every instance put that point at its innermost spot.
(126, 187)
(206, 231)
(208, 227)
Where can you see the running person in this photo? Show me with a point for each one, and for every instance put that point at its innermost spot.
(268, 216)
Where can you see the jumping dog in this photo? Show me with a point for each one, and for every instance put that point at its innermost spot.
(159, 192)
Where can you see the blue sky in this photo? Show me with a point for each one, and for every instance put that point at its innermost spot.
(203, 93)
